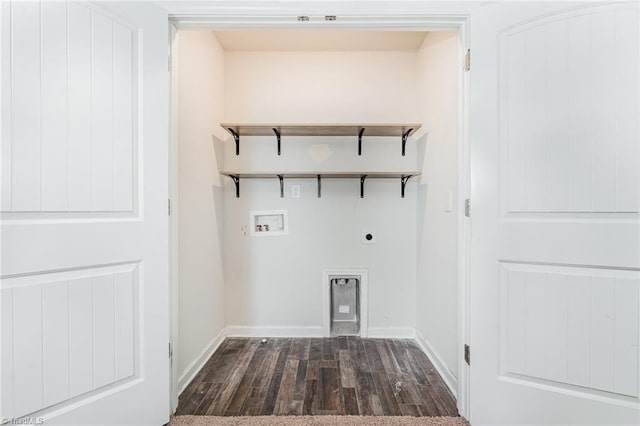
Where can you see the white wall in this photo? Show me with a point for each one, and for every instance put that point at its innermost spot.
(200, 203)
(321, 87)
(276, 281)
(437, 295)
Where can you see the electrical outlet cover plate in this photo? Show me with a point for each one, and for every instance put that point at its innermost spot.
(368, 237)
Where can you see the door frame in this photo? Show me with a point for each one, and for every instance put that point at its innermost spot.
(172, 206)
(363, 15)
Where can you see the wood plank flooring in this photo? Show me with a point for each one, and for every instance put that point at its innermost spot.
(337, 376)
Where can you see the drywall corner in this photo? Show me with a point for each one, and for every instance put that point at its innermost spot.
(437, 271)
(200, 207)
(190, 371)
(438, 363)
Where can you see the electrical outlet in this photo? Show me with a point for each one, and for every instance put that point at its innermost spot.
(368, 237)
(295, 191)
(448, 202)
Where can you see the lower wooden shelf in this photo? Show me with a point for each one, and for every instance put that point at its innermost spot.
(404, 177)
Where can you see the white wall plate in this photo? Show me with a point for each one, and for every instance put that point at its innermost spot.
(268, 223)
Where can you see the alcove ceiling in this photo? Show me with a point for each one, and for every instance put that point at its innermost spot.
(319, 40)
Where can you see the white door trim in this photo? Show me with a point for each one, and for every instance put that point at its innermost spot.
(362, 15)
(174, 236)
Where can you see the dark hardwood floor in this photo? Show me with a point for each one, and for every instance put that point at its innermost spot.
(338, 376)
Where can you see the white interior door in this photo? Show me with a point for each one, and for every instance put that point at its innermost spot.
(84, 287)
(555, 242)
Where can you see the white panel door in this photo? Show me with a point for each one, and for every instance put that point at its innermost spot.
(84, 288)
(555, 274)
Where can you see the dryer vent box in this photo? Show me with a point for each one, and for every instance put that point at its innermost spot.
(345, 305)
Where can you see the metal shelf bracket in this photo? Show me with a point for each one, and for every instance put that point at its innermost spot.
(277, 132)
(362, 179)
(319, 186)
(281, 179)
(360, 141)
(236, 137)
(403, 184)
(236, 181)
(405, 137)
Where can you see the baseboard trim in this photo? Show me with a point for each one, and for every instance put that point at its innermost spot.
(312, 331)
(392, 332)
(272, 331)
(449, 379)
(196, 365)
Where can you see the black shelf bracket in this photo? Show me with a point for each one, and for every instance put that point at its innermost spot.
(403, 183)
(277, 132)
(362, 179)
(360, 141)
(405, 136)
(236, 181)
(281, 179)
(236, 137)
(319, 186)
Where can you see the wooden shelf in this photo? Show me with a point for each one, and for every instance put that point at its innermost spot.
(278, 130)
(360, 130)
(321, 129)
(362, 175)
(324, 175)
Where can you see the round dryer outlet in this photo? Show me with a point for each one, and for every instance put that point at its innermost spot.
(368, 237)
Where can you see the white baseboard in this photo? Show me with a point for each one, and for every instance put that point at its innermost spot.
(449, 379)
(391, 333)
(272, 331)
(312, 331)
(196, 365)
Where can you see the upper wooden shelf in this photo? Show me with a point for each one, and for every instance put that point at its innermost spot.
(400, 130)
(314, 174)
(321, 129)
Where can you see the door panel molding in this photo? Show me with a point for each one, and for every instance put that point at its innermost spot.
(571, 325)
(71, 142)
(70, 336)
(556, 76)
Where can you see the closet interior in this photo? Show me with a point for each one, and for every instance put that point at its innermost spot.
(316, 176)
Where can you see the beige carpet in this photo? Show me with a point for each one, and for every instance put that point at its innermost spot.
(316, 420)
